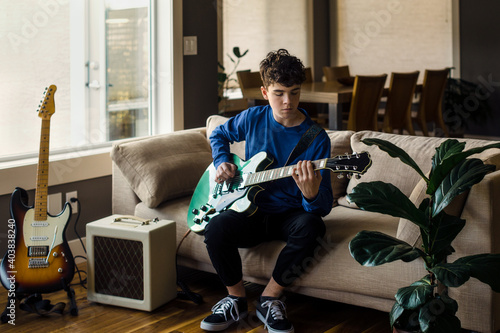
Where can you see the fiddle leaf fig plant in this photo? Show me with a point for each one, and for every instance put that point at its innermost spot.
(425, 304)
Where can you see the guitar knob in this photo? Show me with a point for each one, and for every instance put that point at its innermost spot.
(195, 211)
(206, 218)
(59, 270)
(197, 221)
(204, 208)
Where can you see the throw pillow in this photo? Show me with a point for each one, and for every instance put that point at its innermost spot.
(163, 167)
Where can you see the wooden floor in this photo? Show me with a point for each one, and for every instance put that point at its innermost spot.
(307, 314)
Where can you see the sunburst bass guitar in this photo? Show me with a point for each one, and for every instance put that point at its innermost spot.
(38, 259)
(210, 198)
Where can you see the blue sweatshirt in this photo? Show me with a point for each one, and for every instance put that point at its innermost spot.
(262, 132)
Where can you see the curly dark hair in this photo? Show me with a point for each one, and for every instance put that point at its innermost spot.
(283, 68)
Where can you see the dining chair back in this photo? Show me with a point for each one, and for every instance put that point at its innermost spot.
(367, 91)
(333, 73)
(248, 79)
(399, 100)
(431, 100)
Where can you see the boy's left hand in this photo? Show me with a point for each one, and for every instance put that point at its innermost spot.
(307, 179)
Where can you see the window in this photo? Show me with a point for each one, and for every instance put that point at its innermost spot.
(99, 55)
(262, 26)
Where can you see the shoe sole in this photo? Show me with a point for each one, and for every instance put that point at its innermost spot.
(270, 329)
(215, 327)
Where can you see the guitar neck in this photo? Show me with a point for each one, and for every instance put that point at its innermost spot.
(42, 177)
(279, 173)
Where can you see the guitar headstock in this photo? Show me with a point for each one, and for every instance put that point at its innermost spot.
(47, 106)
(356, 163)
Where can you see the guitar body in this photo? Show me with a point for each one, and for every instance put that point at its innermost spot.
(210, 199)
(42, 259)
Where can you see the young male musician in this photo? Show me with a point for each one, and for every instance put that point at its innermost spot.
(289, 209)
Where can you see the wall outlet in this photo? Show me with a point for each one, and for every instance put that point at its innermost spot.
(74, 205)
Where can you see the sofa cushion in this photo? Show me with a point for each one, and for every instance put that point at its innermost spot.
(392, 170)
(163, 167)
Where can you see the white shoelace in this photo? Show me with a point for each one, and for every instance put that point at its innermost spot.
(225, 305)
(276, 309)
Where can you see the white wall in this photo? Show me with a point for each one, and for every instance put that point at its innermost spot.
(384, 36)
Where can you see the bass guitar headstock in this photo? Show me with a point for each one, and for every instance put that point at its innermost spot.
(47, 106)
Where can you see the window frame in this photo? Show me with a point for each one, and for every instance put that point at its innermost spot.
(92, 161)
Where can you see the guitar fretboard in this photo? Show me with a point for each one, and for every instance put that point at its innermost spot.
(278, 173)
(42, 177)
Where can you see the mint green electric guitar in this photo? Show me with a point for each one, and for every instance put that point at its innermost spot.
(210, 198)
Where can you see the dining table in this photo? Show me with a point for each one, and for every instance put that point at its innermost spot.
(338, 97)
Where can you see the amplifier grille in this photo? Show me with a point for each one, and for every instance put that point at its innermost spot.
(119, 267)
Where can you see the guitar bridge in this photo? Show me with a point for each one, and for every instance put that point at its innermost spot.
(38, 251)
(38, 263)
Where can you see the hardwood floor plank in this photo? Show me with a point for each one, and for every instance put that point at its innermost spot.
(308, 314)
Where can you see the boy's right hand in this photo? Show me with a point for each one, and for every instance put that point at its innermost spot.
(225, 171)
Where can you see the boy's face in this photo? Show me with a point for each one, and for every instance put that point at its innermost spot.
(284, 101)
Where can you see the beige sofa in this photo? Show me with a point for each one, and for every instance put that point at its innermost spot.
(155, 177)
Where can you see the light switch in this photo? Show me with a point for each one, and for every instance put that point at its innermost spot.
(190, 45)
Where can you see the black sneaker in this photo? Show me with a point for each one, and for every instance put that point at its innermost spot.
(271, 311)
(227, 311)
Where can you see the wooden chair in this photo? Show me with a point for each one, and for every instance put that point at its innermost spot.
(309, 76)
(431, 100)
(248, 79)
(399, 100)
(335, 72)
(365, 101)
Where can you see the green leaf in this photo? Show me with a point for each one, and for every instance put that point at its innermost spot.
(221, 77)
(387, 199)
(237, 53)
(460, 179)
(396, 312)
(484, 267)
(416, 295)
(395, 151)
(451, 275)
(444, 229)
(447, 156)
(373, 248)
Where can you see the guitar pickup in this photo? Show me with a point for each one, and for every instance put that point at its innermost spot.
(37, 263)
(38, 251)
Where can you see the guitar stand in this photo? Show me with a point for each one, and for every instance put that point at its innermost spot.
(34, 303)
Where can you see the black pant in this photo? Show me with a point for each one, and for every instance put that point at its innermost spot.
(230, 230)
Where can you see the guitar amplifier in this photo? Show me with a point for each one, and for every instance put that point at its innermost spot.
(131, 262)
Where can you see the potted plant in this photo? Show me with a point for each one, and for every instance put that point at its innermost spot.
(223, 78)
(452, 173)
